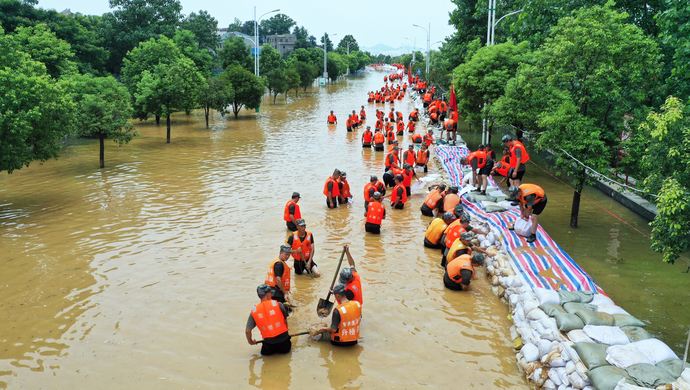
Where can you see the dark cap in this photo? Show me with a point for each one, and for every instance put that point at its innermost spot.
(410, 146)
(300, 222)
(447, 216)
(373, 178)
(506, 138)
(263, 289)
(296, 195)
(377, 195)
(339, 289)
(285, 249)
(458, 209)
(478, 258)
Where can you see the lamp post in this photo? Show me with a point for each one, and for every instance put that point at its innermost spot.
(348, 58)
(428, 45)
(256, 38)
(325, 57)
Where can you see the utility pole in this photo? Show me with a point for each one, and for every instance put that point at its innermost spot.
(256, 39)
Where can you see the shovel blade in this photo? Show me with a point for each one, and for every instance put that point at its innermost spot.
(324, 307)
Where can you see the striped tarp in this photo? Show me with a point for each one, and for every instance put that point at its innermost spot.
(543, 263)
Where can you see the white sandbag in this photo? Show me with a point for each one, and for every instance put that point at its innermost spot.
(579, 336)
(576, 380)
(546, 296)
(611, 335)
(569, 367)
(529, 305)
(601, 300)
(553, 376)
(522, 227)
(549, 385)
(485, 244)
(495, 193)
(506, 204)
(650, 351)
(655, 350)
(686, 375)
(544, 347)
(530, 352)
(611, 309)
(623, 384)
(537, 314)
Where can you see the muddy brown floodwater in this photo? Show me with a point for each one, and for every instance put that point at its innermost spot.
(142, 274)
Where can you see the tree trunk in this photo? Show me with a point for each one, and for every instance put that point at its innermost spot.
(206, 112)
(575, 209)
(167, 124)
(275, 95)
(236, 109)
(158, 120)
(188, 112)
(101, 138)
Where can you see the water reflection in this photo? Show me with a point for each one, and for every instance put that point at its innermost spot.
(274, 372)
(342, 363)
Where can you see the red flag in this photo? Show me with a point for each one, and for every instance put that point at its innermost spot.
(453, 100)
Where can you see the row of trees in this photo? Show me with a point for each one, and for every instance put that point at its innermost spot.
(584, 80)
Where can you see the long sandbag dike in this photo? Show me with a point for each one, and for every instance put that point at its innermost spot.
(567, 333)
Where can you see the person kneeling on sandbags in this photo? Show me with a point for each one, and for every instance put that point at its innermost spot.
(460, 271)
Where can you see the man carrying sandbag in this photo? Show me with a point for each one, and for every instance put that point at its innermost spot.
(532, 200)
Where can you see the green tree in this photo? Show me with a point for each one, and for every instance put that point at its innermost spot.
(302, 38)
(37, 112)
(235, 52)
(336, 65)
(43, 46)
(329, 44)
(216, 94)
(248, 88)
(170, 87)
(187, 42)
(307, 73)
(671, 226)
(277, 24)
(270, 59)
(674, 23)
(276, 81)
(524, 99)
(103, 110)
(293, 79)
(347, 41)
(243, 27)
(134, 21)
(205, 29)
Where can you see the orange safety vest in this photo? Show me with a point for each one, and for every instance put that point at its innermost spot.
(422, 157)
(355, 285)
(427, 97)
(452, 232)
(435, 230)
(362, 114)
(269, 318)
(513, 155)
(428, 139)
(390, 135)
(432, 198)
(332, 119)
(455, 267)
(345, 191)
(350, 316)
(286, 212)
(367, 137)
(411, 126)
(297, 243)
(407, 175)
(388, 162)
(455, 247)
(399, 115)
(371, 97)
(450, 201)
(375, 212)
(449, 124)
(414, 115)
(335, 191)
(433, 116)
(454, 116)
(379, 124)
(379, 138)
(409, 157)
(417, 138)
(379, 115)
(401, 127)
(285, 277)
(531, 189)
(394, 194)
(391, 116)
(503, 166)
(479, 156)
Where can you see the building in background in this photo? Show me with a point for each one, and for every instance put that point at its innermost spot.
(284, 43)
(224, 34)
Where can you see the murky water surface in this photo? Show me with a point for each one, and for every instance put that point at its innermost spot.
(142, 275)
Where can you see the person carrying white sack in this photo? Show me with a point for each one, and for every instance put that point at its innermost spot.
(532, 200)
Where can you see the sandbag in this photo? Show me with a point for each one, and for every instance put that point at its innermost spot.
(573, 307)
(491, 207)
(567, 322)
(579, 336)
(673, 366)
(552, 308)
(575, 296)
(530, 352)
(594, 317)
(606, 377)
(522, 227)
(655, 350)
(601, 300)
(611, 309)
(546, 296)
(627, 320)
(635, 333)
(647, 375)
(611, 335)
(650, 351)
(593, 355)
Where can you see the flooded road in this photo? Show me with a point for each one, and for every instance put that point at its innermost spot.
(142, 275)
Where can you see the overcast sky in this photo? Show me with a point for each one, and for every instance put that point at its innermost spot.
(371, 22)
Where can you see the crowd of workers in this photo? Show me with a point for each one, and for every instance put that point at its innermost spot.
(449, 231)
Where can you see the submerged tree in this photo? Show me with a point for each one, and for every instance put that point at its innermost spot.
(248, 88)
(217, 94)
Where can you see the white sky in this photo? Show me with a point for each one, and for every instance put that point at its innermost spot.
(370, 22)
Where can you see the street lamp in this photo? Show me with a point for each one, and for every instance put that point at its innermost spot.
(492, 22)
(325, 58)
(428, 45)
(256, 38)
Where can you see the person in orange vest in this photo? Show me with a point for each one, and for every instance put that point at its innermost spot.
(344, 329)
(370, 188)
(404, 87)
(348, 124)
(367, 137)
(400, 127)
(502, 166)
(442, 110)
(332, 190)
(362, 114)
(332, 120)
(455, 231)
(292, 213)
(390, 134)
(344, 188)
(518, 158)
(379, 114)
(411, 126)
(375, 214)
(532, 199)
(270, 317)
(433, 200)
(391, 115)
(429, 138)
(370, 97)
(434, 232)
(379, 141)
(398, 116)
(354, 119)
(417, 138)
(399, 194)
(303, 249)
(426, 99)
(451, 199)
(414, 115)
(379, 124)
(278, 276)
(408, 173)
(392, 159)
(349, 277)
(460, 271)
(408, 156)
(422, 158)
(481, 168)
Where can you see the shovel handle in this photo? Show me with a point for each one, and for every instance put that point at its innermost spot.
(335, 276)
(291, 335)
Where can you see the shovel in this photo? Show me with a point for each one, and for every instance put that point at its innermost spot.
(325, 306)
(292, 335)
